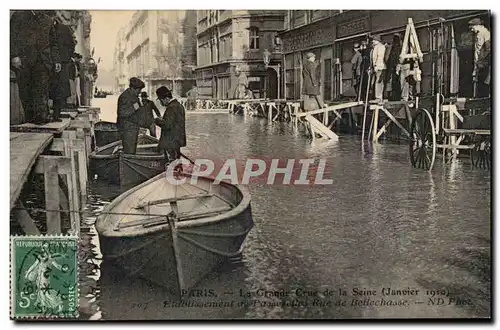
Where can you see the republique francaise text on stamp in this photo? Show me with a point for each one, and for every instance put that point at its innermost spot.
(44, 277)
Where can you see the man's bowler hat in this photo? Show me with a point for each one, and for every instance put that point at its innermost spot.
(163, 92)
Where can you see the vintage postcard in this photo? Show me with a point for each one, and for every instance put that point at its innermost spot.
(250, 164)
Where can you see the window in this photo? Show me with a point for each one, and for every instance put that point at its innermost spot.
(289, 76)
(298, 18)
(327, 81)
(254, 38)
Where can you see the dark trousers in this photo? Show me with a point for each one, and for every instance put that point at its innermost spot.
(172, 154)
(129, 133)
(57, 108)
(34, 89)
(483, 90)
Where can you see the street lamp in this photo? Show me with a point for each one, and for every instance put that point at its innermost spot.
(277, 68)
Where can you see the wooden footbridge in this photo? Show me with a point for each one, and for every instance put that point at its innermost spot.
(58, 151)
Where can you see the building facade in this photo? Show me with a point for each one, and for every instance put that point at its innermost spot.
(119, 64)
(81, 21)
(228, 40)
(160, 48)
(331, 35)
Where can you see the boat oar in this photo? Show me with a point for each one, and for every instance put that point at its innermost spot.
(189, 159)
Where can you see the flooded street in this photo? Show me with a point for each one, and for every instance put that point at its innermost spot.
(381, 224)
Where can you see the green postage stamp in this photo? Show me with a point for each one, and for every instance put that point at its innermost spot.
(44, 277)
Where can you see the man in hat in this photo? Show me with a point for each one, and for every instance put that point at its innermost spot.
(393, 81)
(356, 62)
(311, 92)
(128, 116)
(365, 50)
(378, 66)
(173, 125)
(60, 81)
(148, 108)
(482, 50)
(34, 39)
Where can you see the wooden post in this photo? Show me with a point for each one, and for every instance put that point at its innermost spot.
(375, 124)
(453, 125)
(51, 184)
(270, 111)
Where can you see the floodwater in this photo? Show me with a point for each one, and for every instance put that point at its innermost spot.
(381, 224)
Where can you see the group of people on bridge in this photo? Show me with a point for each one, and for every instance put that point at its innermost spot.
(45, 71)
(380, 64)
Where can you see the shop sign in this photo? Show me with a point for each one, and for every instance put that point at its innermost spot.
(316, 36)
(352, 27)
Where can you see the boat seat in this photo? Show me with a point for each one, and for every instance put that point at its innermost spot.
(172, 200)
(159, 220)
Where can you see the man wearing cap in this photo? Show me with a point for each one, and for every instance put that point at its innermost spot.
(148, 108)
(128, 116)
(356, 62)
(378, 65)
(173, 125)
(366, 65)
(311, 92)
(482, 50)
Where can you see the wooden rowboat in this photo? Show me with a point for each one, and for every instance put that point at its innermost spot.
(174, 235)
(106, 133)
(111, 164)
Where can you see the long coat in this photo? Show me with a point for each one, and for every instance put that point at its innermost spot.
(34, 40)
(310, 75)
(484, 63)
(127, 121)
(173, 127)
(66, 44)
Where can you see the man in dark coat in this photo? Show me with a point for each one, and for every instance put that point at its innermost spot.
(356, 62)
(128, 116)
(366, 64)
(148, 108)
(393, 81)
(173, 125)
(311, 92)
(60, 85)
(33, 37)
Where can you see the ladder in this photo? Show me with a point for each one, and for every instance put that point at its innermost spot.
(411, 51)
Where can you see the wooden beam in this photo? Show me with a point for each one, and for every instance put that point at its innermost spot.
(330, 108)
(51, 184)
(316, 125)
(395, 121)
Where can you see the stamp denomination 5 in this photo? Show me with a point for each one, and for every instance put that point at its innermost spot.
(44, 277)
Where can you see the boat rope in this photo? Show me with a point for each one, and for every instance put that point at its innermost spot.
(90, 213)
(210, 249)
(213, 234)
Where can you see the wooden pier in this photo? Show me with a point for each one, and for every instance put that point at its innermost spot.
(59, 152)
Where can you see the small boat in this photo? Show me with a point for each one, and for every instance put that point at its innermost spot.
(105, 133)
(174, 235)
(110, 163)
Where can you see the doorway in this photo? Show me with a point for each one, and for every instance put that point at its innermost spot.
(271, 84)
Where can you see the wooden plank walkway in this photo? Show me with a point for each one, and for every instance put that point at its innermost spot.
(54, 127)
(24, 151)
(330, 108)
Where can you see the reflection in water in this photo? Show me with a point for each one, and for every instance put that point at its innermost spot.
(381, 223)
